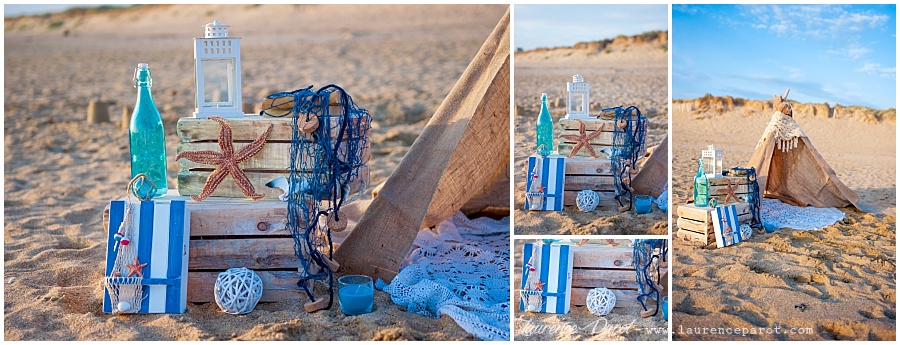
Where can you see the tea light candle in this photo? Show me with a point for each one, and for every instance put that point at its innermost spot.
(356, 294)
(642, 204)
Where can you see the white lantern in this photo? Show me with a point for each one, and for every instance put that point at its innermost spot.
(579, 105)
(712, 161)
(217, 73)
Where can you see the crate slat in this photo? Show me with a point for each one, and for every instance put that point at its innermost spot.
(589, 125)
(252, 253)
(191, 183)
(597, 256)
(610, 279)
(626, 299)
(277, 286)
(248, 128)
(273, 156)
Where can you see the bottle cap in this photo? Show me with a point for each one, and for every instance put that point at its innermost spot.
(143, 65)
(543, 97)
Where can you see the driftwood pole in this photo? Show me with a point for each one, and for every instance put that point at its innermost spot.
(460, 150)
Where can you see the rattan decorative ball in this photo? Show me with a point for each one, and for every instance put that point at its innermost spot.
(746, 231)
(587, 200)
(238, 290)
(600, 301)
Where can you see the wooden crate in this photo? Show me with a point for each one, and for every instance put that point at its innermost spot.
(695, 223)
(271, 162)
(603, 266)
(228, 233)
(588, 173)
(718, 189)
(571, 127)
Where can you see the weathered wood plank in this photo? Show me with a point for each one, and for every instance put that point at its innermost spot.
(626, 299)
(723, 181)
(191, 183)
(610, 279)
(698, 226)
(216, 217)
(588, 166)
(565, 149)
(248, 128)
(252, 253)
(604, 138)
(595, 183)
(691, 236)
(278, 286)
(703, 214)
(607, 199)
(273, 156)
(597, 256)
(589, 125)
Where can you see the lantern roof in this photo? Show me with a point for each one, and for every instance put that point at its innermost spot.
(215, 29)
(577, 78)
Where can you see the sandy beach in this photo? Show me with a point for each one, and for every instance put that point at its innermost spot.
(628, 71)
(834, 283)
(399, 62)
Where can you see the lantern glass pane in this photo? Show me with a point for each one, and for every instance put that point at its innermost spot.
(577, 102)
(217, 82)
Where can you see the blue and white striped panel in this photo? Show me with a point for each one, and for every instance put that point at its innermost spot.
(161, 233)
(553, 264)
(552, 173)
(726, 226)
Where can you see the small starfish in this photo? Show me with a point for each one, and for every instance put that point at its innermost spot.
(612, 242)
(582, 140)
(227, 161)
(136, 268)
(539, 286)
(540, 189)
(729, 192)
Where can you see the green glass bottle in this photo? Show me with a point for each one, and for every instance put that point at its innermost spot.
(147, 137)
(701, 186)
(544, 129)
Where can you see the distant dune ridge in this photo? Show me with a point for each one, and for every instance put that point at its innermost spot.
(659, 38)
(722, 104)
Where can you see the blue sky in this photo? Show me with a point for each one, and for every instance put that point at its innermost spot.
(824, 53)
(564, 25)
(15, 10)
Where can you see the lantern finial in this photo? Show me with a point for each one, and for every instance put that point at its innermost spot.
(215, 29)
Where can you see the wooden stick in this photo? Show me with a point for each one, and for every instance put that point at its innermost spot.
(786, 92)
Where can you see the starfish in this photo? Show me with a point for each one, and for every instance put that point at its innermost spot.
(136, 268)
(227, 161)
(538, 286)
(582, 140)
(729, 192)
(540, 189)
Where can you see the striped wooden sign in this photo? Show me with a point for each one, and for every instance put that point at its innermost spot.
(161, 231)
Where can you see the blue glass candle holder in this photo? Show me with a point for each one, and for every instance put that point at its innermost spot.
(665, 308)
(357, 294)
(643, 204)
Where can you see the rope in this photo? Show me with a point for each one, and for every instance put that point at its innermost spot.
(628, 147)
(752, 194)
(322, 166)
(644, 255)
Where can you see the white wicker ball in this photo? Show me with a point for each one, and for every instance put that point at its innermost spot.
(746, 231)
(587, 200)
(238, 290)
(600, 301)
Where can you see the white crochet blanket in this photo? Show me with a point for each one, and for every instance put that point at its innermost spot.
(786, 131)
(781, 215)
(460, 269)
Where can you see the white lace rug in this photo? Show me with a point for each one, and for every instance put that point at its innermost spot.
(460, 269)
(781, 215)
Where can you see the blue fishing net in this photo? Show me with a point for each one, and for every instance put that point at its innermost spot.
(324, 165)
(628, 147)
(645, 251)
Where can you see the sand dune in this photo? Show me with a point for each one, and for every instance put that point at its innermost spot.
(839, 282)
(399, 62)
(629, 74)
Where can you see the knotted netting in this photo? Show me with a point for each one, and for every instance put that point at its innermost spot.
(629, 134)
(325, 164)
(648, 253)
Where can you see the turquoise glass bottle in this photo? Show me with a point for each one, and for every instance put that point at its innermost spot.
(544, 129)
(701, 186)
(147, 137)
